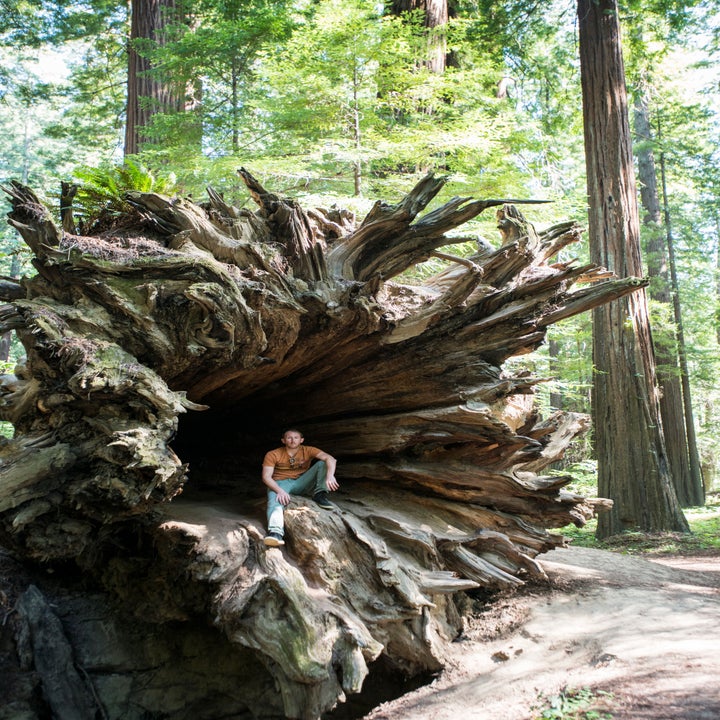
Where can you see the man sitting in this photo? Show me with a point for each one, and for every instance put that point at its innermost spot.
(287, 471)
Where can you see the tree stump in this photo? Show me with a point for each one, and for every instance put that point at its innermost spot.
(169, 347)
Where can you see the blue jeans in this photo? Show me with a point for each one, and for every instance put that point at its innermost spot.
(310, 482)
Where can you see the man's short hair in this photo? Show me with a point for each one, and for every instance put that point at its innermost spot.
(293, 429)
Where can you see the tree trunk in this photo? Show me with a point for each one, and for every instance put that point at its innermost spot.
(694, 491)
(717, 275)
(632, 461)
(147, 91)
(678, 426)
(168, 352)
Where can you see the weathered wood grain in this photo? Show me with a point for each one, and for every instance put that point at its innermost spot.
(253, 320)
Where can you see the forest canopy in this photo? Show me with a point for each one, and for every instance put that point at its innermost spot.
(341, 102)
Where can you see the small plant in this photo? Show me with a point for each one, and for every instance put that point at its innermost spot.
(102, 190)
(7, 430)
(575, 704)
(704, 522)
(583, 536)
(584, 477)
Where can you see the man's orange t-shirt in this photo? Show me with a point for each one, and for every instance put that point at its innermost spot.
(287, 467)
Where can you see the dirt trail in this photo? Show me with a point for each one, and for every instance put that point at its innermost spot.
(646, 631)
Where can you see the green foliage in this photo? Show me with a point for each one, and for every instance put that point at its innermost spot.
(704, 538)
(329, 88)
(92, 99)
(45, 133)
(32, 23)
(102, 190)
(584, 477)
(324, 100)
(213, 52)
(565, 360)
(336, 100)
(59, 109)
(575, 704)
(352, 83)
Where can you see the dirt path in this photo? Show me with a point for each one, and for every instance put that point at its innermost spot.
(646, 631)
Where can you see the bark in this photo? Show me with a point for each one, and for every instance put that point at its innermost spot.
(10, 288)
(632, 460)
(694, 491)
(66, 692)
(148, 92)
(678, 425)
(717, 274)
(166, 355)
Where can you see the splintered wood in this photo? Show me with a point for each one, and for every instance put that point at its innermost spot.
(290, 316)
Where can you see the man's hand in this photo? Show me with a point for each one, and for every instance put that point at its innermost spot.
(283, 497)
(332, 483)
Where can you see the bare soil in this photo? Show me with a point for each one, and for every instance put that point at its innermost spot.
(643, 635)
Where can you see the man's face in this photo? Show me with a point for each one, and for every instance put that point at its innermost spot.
(292, 440)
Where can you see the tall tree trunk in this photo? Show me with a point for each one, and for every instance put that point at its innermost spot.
(693, 492)
(148, 92)
(678, 427)
(717, 275)
(235, 107)
(357, 135)
(632, 461)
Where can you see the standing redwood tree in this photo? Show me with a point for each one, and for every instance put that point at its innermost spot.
(148, 92)
(675, 404)
(632, 461)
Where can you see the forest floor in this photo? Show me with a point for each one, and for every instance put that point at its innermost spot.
(608, 636)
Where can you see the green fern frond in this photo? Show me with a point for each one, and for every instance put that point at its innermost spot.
(102, 189)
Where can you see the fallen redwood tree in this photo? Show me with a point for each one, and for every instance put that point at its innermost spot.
(167, 349)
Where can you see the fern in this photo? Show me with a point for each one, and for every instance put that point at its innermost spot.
(101, 191)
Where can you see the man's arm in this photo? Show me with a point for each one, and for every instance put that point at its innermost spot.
(331, 463)
(267, 478)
